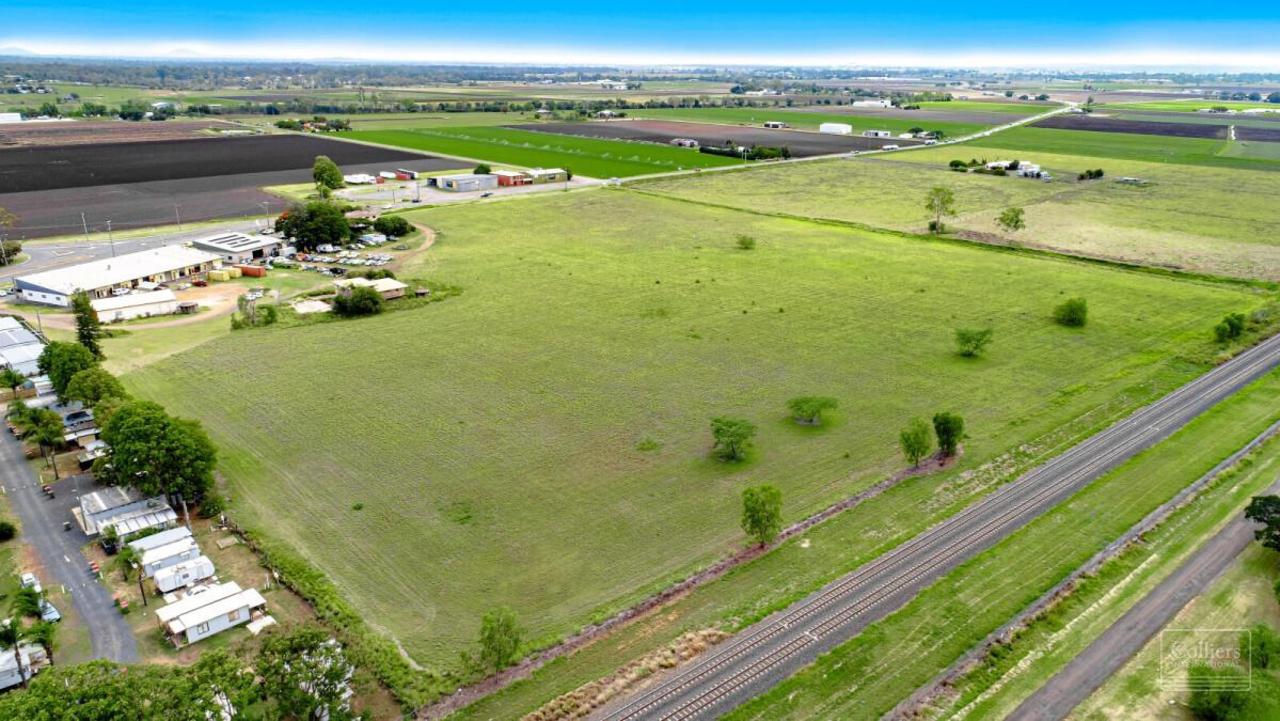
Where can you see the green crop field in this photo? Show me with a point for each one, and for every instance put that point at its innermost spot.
(806, 120)
(541, 440)
(584, 156)
(1207, 219)
(1123, 146)
(1191, 106)
(985, 106)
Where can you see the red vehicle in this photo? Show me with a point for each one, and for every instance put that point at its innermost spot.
(200, 282)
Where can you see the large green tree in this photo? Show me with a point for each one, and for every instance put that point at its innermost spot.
(315, 224)
(88, 329)
(91, 385)
(949, 429)
(939, 202)
(809, 409)
(11, 379)
(762, 513)
(1265, 510)
(61, 360)
(499, 638)
(156, 453)
(306, 673)
(326, 174)
(915, 441)
(732, 437)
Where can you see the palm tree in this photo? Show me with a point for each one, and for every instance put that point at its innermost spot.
(12, 379)
(11, 636)
(49, 433)
(27, 602)
(44, 634)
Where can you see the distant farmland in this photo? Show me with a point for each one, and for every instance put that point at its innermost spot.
(861, 119)
(558, 461)
(591, 157)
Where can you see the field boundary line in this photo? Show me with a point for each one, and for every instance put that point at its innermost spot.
(910, 707)
(474, 692)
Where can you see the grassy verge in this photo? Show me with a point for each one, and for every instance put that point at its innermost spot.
(868, 675)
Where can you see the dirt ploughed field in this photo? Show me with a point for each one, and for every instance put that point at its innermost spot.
(1269, 135)
(137, 185)
(1116, 125)
(924, 116)
(107, 131)
(801, 145)
(80, 166)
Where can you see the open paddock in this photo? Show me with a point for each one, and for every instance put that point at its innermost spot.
(809, 119)
(1266, 135)
(801, 144)
(921, 117)
(107, 131)
(1082, 121)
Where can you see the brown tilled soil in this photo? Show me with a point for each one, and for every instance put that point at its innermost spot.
(106, 131)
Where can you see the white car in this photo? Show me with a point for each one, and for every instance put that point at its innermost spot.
(29, 580)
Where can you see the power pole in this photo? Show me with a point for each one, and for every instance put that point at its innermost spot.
(85, 224)
(111, 240)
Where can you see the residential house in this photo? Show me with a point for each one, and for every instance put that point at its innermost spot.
(208, 611)
(123, 508)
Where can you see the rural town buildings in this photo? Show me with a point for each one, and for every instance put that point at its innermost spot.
(185, 573)
(170, 554)
(879, 103)
(125, 509)
(239, 247)
(112, 276)
(20, 348)
(208, 611)
(135, 305)
(466, 182)
(836, 128)
(155, 540)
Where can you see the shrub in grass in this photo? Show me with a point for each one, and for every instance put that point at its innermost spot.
(732, 437)
(970, 342)
(360, 301)
(7, 530)
(746, 242)
(393, 226)
(1261, 645)
(808, 410)
(1073, 312)
(1231, 327)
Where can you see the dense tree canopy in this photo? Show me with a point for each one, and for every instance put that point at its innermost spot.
(306, 673)
(315, 224)
(91, 385)
(762, 513)
(326, 173)
(732, 437)
(157, 453)
(61, 360)
(88, 329)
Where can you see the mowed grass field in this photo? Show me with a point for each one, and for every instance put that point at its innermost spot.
(495, 439)
(591, 157)
(1128, 146)
(1206, 219)
(1191, 106)
(807, 120)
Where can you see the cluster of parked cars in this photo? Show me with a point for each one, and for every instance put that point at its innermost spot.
(342, 257)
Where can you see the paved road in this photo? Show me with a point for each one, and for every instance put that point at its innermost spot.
(759, 657)
(1113, 649)
(60, 556)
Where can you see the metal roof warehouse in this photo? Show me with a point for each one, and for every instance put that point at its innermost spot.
(98, 278)
(239, 247)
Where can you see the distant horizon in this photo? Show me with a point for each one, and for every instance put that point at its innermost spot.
(1088, 35)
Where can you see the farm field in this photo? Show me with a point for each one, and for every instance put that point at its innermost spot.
(591, 157)
(800, 144)
(1191, 106)
(866, 677)
(1240, 598)
(1122, 146)
(1120, 125)
(138, 185)
(107, 131)
(1198, 218)
(988, 106)
(808, 120)
(616, 326)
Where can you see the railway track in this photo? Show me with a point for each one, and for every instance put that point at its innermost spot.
(777, 646)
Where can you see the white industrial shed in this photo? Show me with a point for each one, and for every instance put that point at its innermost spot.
(467, 182)
(99, 278)
(836, 128)
(135, 305)
(19, 347)
(239, 247)
(156, 540)
(125, 509)
(209, 611)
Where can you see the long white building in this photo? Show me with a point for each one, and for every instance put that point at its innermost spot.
(99, 278)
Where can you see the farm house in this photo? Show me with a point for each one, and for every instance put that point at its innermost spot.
(388, 288)
(239, 247)
(208, 611)
(836, 129)
(135, 305)
(467, 182)
(110, 276)
(183, 574)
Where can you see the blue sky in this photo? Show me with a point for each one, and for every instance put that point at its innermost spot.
(1089, 32)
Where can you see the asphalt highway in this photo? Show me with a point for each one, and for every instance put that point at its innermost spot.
(761, 656)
